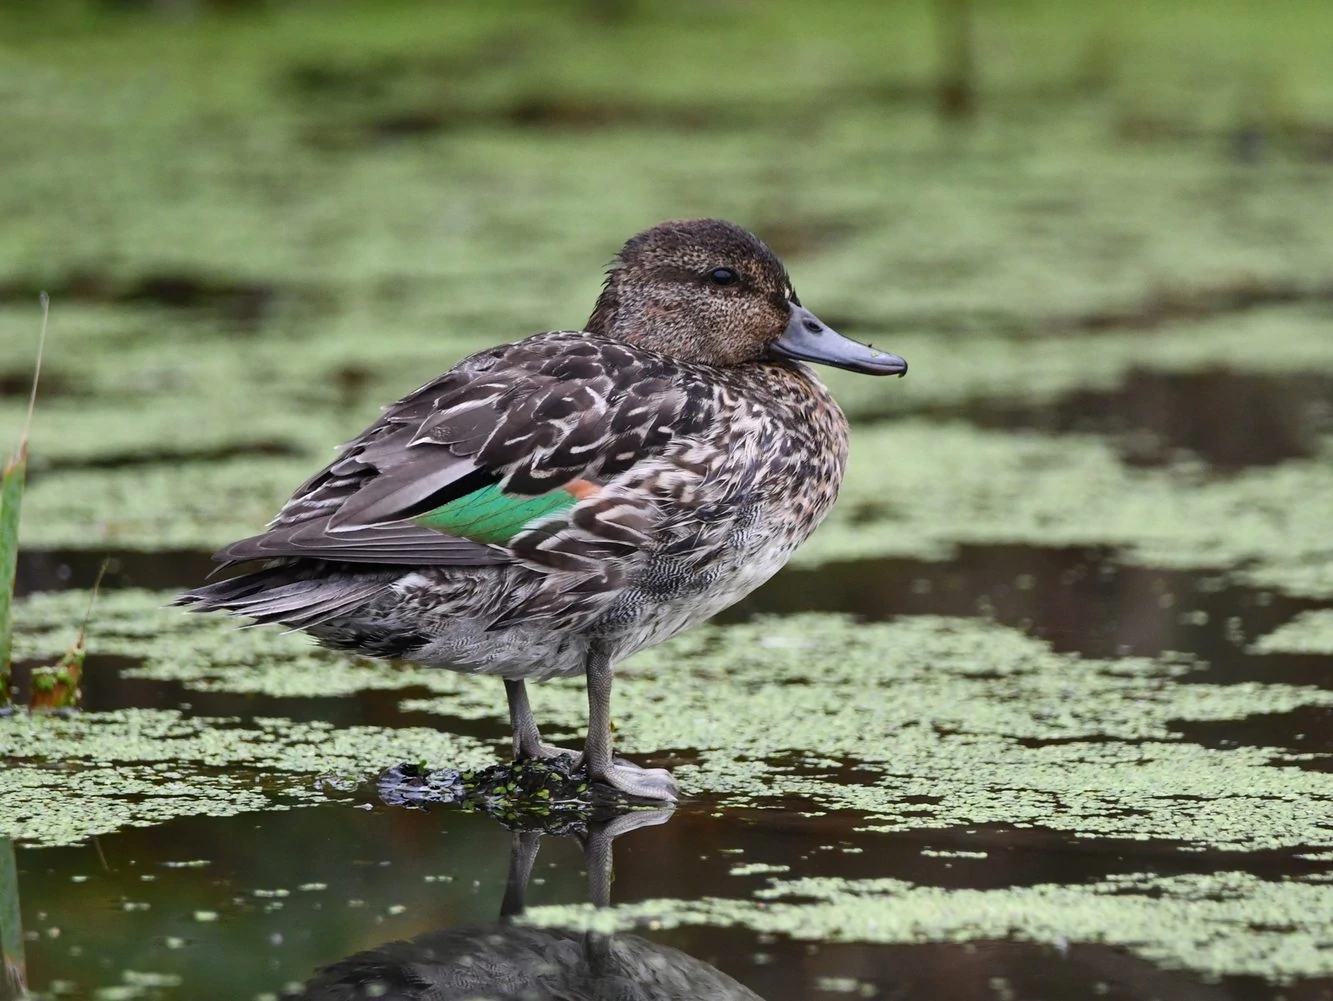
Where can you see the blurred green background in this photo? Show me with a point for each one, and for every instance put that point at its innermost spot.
(260, 220)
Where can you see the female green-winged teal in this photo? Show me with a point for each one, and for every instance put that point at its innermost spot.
(547, 507)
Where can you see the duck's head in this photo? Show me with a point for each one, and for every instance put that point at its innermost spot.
(705, 290)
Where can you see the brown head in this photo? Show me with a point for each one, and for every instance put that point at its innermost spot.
(705, 290)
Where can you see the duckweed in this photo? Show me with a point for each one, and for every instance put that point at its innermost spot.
(69, 778)
(210, 653)
(948, 722)
(918, 489)
(1309, 632)
(1225, 923)
(914, 489)
(944, 722)
(49, 806)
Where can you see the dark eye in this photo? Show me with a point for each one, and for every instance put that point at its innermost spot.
(722, 276)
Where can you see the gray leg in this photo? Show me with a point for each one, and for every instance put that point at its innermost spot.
(522, 853)
(643, 783)
(527, 741)
(597, 846)
(597, 857)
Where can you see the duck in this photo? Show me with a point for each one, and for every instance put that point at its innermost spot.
(508, 960)
(550, 506)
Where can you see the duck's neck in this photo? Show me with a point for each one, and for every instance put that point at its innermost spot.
(603, 318)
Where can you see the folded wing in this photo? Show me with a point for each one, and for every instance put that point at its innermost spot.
(451, 474)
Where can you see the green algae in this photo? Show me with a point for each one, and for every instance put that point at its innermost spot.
(42, 806)
(188, 505)
(956, 723)
(913, 488)
(947, 722)
(67, 779)
(1040, 370)
(1309, 632)
(1220, 924)
(953, 218)
(210, 653)
(919, 489)
(168, 737)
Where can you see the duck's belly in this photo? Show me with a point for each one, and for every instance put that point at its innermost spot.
(687, 611)
(665, 604)
(442, 618)
(471, 647)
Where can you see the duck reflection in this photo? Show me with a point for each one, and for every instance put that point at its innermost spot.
(506, 961)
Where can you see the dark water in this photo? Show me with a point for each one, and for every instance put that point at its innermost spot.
(1230, 419)
(380, 875)
(252, 906)
(376, 874)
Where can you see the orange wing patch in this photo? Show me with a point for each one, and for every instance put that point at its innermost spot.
(582, 489)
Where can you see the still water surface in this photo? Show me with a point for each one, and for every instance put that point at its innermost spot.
(252, 906)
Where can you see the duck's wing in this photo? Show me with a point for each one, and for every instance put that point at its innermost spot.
(457, 471)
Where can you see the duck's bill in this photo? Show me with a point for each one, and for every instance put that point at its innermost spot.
(807, 338)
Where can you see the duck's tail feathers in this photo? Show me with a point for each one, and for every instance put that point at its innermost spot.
(281, 594)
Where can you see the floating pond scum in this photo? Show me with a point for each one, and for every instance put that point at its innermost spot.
(962, 756)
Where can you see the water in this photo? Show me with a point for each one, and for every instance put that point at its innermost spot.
(291, 892)
(252, 905)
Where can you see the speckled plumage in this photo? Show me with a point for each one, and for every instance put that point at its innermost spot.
(689, 452)
(727, 477)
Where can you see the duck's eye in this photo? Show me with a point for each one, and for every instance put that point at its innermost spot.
(722, 276)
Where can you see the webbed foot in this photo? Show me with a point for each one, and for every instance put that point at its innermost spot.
(640, 783)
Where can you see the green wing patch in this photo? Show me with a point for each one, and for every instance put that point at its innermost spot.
(490, 515)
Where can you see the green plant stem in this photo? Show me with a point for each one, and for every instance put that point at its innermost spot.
(13, 971)
(11, 497)
(11, 500)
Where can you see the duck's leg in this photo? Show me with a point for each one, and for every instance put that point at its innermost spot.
(527, 741)
(522, 854)
(643, 783)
